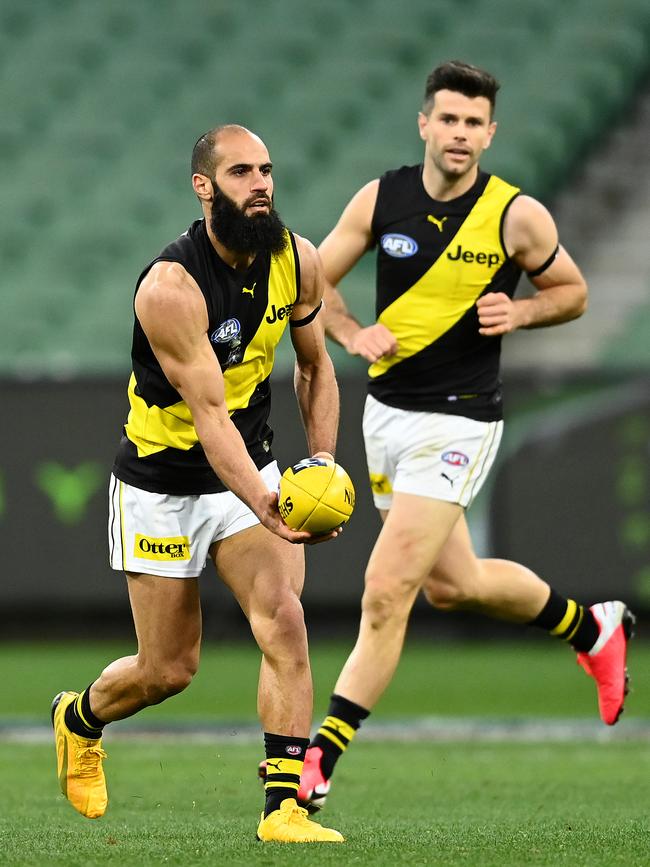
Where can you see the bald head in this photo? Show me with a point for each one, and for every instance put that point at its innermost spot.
(206, 153)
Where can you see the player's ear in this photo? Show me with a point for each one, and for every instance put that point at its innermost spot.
(422, 124)
(492, 128)
(202, 187)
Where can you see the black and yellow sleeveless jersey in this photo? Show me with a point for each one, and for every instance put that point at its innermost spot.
(434, 260)
(247, 315)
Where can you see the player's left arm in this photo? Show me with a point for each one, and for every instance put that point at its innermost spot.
(531, 240)
(314, 380)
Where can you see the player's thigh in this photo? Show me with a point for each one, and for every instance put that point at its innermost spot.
(262, 570)
(457, 565)
(161, 542)
(167, 618)
(414, 532)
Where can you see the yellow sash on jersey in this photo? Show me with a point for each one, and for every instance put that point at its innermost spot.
(241, 380)
(443, 295)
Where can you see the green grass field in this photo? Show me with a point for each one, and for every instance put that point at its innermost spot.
(537, 678)
(579, 803)
(445, 804)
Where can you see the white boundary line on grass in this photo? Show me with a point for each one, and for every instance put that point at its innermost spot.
(432, 729)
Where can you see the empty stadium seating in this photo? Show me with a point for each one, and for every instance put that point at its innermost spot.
(102, 103)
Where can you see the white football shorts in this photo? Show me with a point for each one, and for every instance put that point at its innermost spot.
(446, 457)
(160, 534)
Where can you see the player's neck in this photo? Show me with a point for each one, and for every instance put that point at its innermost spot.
(444, 187)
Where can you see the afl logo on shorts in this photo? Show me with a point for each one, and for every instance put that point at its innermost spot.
(456, 459)
(226, 331)
(399, 246)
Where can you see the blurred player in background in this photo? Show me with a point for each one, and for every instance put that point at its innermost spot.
(195, 478)
(451, 243)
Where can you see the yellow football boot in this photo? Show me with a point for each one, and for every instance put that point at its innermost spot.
(290, 824)
(79, 763)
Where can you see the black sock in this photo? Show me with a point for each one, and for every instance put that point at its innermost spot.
(285, 757)
(567, 619)
(337, 730)
(80, 719)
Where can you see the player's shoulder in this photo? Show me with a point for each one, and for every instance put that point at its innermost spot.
(186, 243)
(400, 184)
(168, 290)
(309, 265)
(183, 251)
(305, 249)
(165, 273)
(402, 173)
(528, 224)
(526, 211)
(405, 181)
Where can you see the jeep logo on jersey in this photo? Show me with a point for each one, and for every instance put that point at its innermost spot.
(481, 258)
(456, 459)
(279, 313)
(226, 331)
(399, 246)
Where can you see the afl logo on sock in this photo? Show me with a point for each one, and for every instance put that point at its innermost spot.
(293, 750)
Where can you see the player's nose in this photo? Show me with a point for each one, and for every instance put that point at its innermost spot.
(260, 182)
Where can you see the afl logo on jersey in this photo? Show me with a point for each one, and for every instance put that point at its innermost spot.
(399, 246)
(456, 459)
(226, 331)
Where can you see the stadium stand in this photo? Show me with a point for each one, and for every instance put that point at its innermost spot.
(604, 217)
(101, 104)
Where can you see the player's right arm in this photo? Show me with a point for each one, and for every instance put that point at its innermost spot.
(339, 252)
(173, 314)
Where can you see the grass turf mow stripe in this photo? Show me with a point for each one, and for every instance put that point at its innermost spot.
(413, 729)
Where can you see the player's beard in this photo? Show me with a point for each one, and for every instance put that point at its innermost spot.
(261, 233)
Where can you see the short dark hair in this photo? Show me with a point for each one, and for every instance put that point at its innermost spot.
(462, 78)
(204, 153)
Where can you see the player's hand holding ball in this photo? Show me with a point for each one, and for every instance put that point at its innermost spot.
(316, 495)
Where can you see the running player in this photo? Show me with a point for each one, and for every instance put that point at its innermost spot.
(451, 244)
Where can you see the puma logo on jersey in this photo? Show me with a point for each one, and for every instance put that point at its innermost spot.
(437, 223)
(481, 258)
(250, 291)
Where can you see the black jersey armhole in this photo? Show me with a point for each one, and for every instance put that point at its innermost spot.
(502, 240)
(296, 259)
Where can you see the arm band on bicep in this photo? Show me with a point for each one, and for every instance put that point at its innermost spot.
(546, 264)
(297, 323)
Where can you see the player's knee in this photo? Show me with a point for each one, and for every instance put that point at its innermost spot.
(281, 628)
(386, 600)
(169, 679)
(446, 596)
(289, 622)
